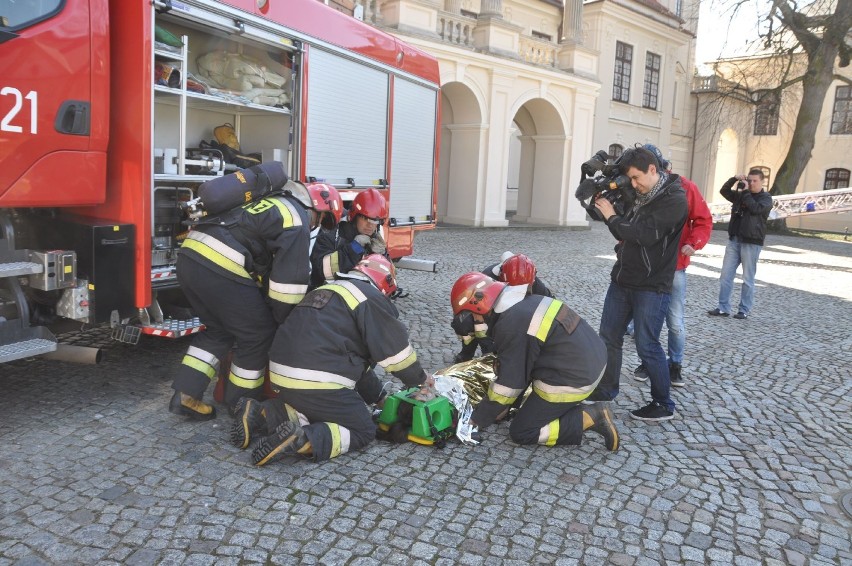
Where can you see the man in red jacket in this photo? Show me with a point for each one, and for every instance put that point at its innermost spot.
(696, 233)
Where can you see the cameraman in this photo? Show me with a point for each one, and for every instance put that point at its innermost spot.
(641, 280)
(746, 232)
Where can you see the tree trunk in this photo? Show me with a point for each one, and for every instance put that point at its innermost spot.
(814, 90)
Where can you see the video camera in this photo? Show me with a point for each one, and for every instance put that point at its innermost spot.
(609, 184)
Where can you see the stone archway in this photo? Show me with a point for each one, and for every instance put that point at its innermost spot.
(541, 175)
(459, 167)
(727, 162)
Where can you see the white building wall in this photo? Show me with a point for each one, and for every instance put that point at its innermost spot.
(628, 123)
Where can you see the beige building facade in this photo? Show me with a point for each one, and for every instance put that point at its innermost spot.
(647, 52)
(532, 88)
(526, 96)
(742, 125)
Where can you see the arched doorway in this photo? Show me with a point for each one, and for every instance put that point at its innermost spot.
(459, 166)
(542, 163)
(727, 162)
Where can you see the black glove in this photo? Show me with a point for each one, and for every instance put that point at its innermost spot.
(400, 293)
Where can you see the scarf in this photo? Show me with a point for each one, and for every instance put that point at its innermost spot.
(646, 198)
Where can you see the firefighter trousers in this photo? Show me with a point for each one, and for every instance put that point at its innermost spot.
(237, 318)
(339, 419)
(541, 422)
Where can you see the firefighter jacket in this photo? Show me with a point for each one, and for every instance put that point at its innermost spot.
(538, 287)
(699, 222)
(336, 251)
(649, 238)
(338, 332)
(541, 342)
(264, 243)
(748, 213)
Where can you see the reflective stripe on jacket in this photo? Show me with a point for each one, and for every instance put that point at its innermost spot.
(336, 333)
(541, 341)
(264, 242)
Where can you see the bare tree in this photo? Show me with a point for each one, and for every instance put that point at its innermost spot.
(796, 52)
(821, 30)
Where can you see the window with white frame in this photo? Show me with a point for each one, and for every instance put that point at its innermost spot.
(652, 81)
(766, 114)
(836, 179)
(615, 151)
(841, 116)
(623, 69)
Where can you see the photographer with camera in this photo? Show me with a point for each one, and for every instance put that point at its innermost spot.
(649, 233)
(746, 232)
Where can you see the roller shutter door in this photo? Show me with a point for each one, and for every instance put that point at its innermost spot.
(346, 120)
(413, 151)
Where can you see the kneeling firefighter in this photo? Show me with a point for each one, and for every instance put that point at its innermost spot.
(243, 269)
(540, 341)
(338, 251)
(321, 364)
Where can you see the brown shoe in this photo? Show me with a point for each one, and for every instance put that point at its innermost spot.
(186, 406)
(598, 418)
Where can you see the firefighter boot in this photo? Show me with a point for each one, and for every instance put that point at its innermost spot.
(289, 439)
(598, 418)
(249, 422)
(184, 405)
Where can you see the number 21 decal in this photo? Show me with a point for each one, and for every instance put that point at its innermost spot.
(6, 124)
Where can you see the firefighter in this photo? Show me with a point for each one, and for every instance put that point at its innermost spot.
(321, 364)
(341, 249)
(539, 341)
(514, 269)
(243, 272)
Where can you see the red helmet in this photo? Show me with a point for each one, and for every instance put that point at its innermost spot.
(325, 198)
(518, 270)
(475, 292)
(381, 272)
(369, 203)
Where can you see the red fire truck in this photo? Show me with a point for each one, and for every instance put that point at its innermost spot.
(110, 112)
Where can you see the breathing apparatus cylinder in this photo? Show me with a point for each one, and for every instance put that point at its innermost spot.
(246, 185)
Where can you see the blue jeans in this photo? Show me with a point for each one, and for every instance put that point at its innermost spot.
(648, 311)
(674, 317)
(738, 253)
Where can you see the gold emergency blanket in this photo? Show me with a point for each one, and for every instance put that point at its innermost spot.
(465, 385)
(476, 376)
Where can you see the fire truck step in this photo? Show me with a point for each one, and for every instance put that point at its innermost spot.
(417, 264)
(16, 268)
(172, 328)
(26, 349)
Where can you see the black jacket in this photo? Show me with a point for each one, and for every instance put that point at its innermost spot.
(748, 213)
(336, 333)
(264, 243)
(543, 342)
(336, 251)
(649, 239)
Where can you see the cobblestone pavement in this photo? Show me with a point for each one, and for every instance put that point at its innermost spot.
(94, 470)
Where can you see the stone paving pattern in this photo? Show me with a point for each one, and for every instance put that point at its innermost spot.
(94, 470)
